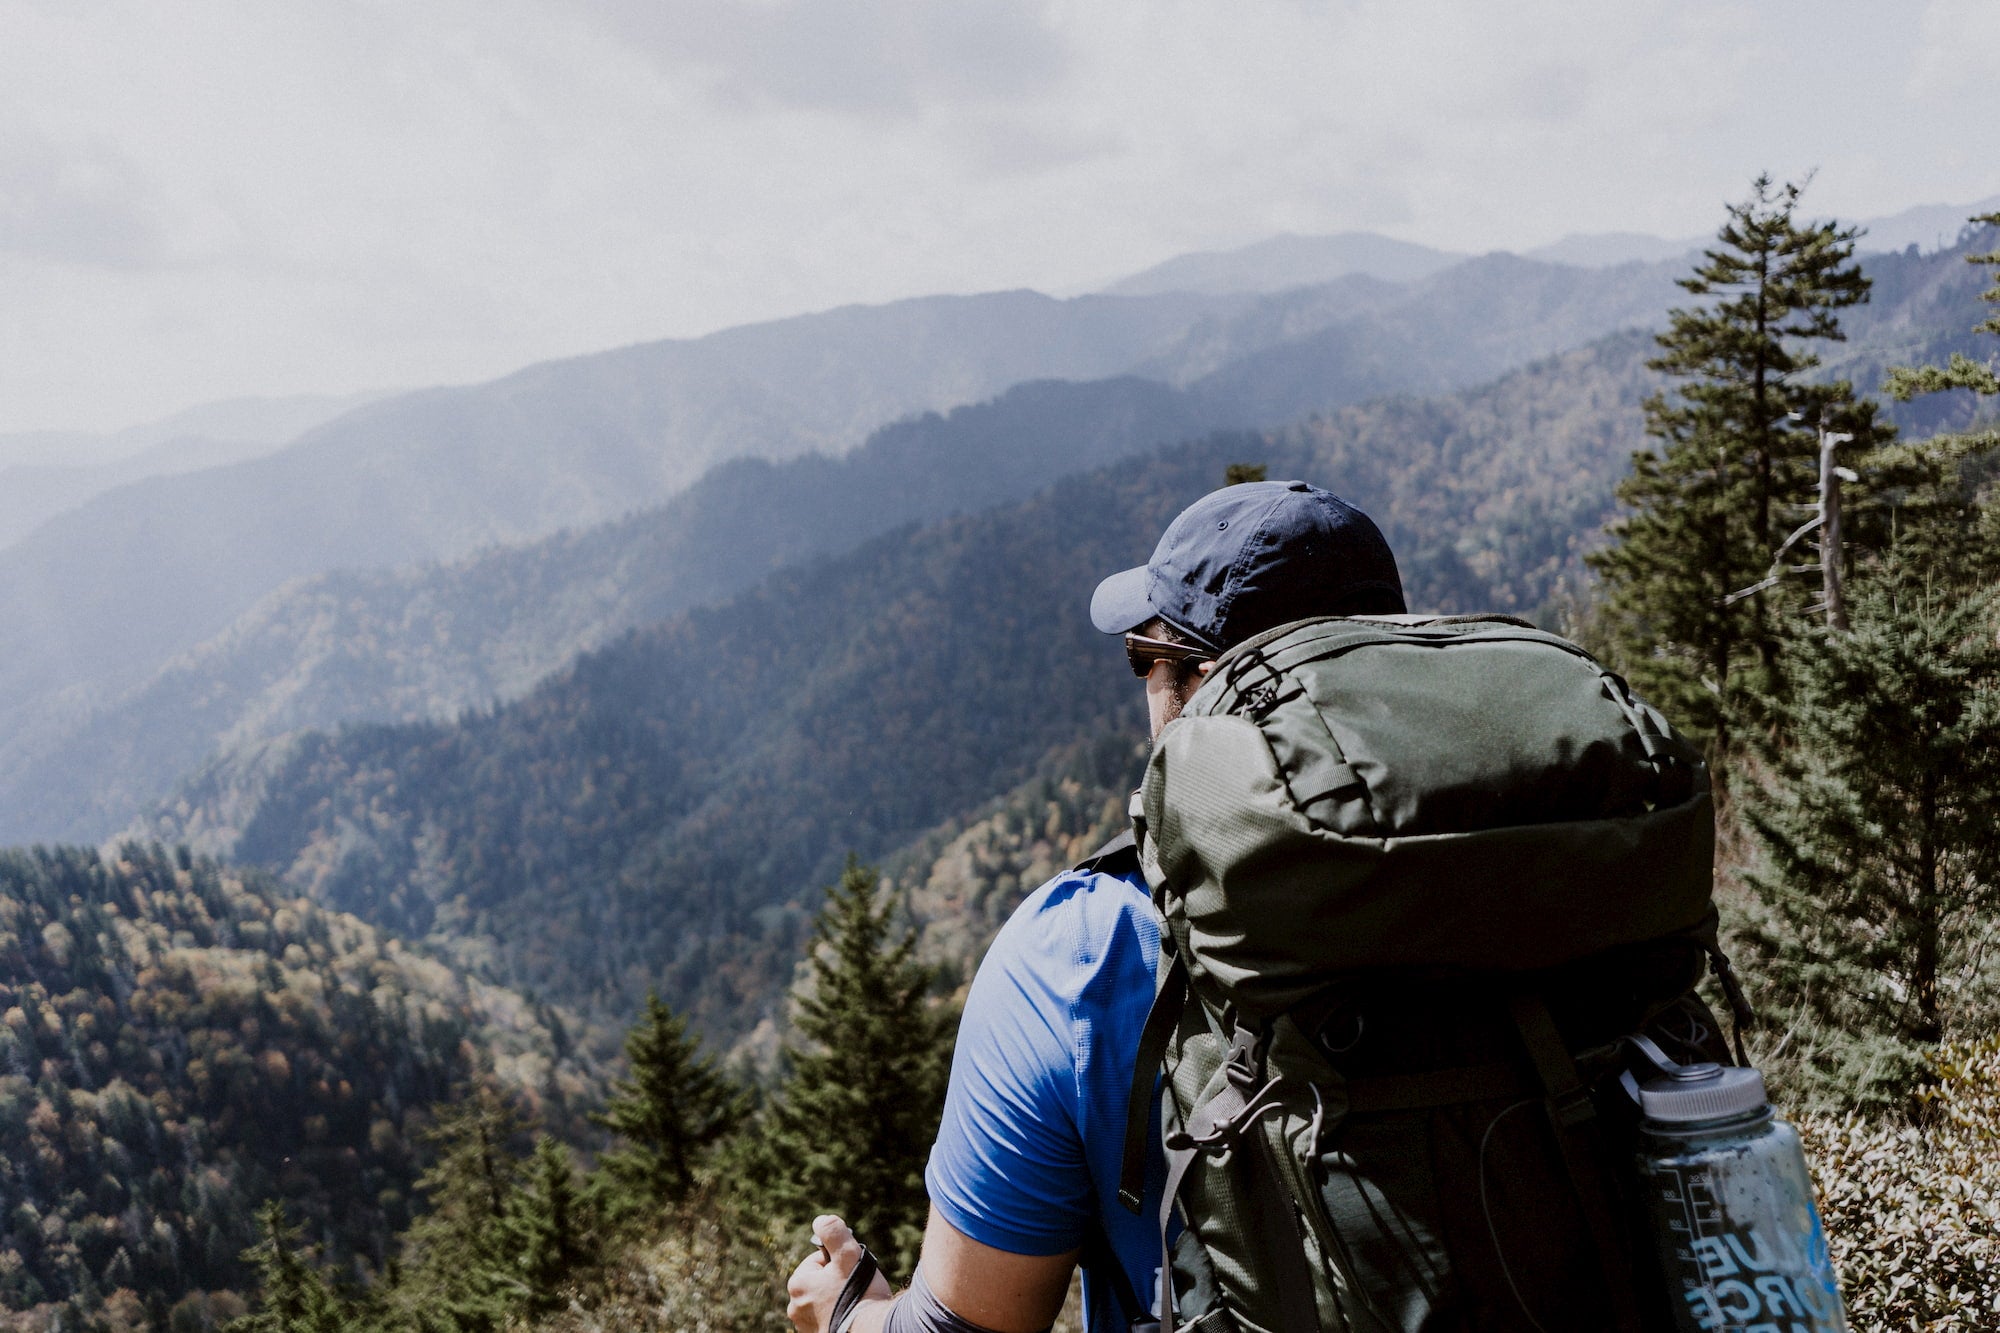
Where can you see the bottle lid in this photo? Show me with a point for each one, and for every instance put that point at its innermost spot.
(1702, 1092)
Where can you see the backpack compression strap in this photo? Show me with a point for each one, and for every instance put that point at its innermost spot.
(1572, 1117)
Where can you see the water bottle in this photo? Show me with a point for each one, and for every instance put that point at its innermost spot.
(1731, 1206)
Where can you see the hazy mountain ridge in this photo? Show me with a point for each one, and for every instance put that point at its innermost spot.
(33, 493)
(79, 769)
(95, 600)
(409, 644)
(1458, 329)
(252, 420)
(658, 812)
(431, 641)
(1289, 260)
(43, 474)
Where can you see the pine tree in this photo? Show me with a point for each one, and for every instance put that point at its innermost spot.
(671, 1111)
(1883, 864)
(853, 1124)
(456, 1254)
(292, 1296)
(1878, 827)
(544, 1234)
(1708, 509)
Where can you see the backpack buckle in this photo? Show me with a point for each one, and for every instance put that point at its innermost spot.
(1573, 1108)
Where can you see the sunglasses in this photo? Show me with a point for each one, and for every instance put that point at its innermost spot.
(1143, 652)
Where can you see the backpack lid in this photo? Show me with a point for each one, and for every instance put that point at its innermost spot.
(1452, 793)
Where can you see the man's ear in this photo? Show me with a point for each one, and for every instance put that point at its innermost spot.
(1205, 667)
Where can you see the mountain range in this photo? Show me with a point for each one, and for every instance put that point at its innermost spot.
(370, 641)
(660, 811)
(46, 473)
(1287, 260)
(429, 640)
(98, 605)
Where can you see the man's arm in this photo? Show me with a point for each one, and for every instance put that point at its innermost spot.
(997, 1290)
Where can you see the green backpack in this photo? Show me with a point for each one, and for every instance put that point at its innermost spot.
(1419, 877)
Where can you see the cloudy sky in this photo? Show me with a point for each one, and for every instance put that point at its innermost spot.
(207, 198)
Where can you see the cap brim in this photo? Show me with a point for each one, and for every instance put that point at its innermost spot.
(1120, 602)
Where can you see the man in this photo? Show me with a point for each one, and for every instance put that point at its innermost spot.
(1024, 1176)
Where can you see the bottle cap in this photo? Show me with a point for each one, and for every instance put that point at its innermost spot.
(1702, 1092)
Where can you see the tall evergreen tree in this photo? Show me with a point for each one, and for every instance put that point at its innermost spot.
(1883, 862)
(544, 1233)
(292, 1295)
(1879, 822)
(671, 1110)
(457, 1251)
(1707, 508)
(853, 1123)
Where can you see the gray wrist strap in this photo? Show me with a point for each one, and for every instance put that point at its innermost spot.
(918, 1310)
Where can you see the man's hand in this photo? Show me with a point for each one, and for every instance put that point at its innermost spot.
(816, 1283)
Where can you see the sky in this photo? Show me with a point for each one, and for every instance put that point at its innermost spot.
(205, 199)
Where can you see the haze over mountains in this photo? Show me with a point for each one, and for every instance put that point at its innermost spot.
(45, 473)
(1287, 260)
(661, 812)
(95, 600)
(95, 603)
(127, 671)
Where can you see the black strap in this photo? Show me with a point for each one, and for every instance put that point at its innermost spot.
(1571, 1116)
(1099, 1258)
(1120, 856)
(1741, 1015)
(1161, 1020)
(1436, 1087)
(851, 1295)
(1178, 1161)
(1708, 934)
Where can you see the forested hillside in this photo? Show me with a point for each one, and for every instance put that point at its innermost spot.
(179, 1041)
(657, 811)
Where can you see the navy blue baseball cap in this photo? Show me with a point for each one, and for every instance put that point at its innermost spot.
(1249, 557)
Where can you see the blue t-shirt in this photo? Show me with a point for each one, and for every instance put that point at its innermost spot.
(1034, 1123)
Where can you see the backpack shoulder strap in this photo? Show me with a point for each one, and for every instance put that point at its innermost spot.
(1161, 1019)
(1120, 856)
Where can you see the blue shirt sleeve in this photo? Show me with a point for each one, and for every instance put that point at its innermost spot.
(1022, 1152)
